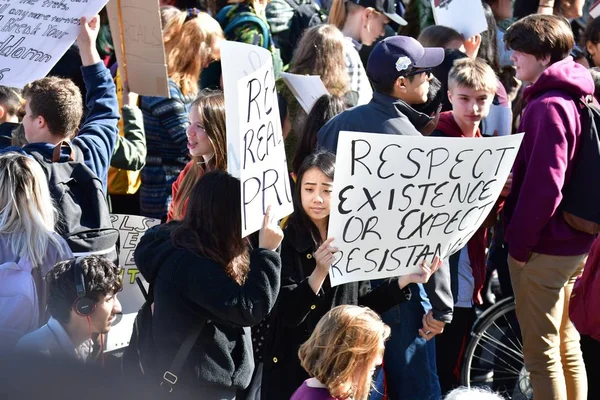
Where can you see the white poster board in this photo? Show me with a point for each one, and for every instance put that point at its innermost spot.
(34, 35)
(131, 229)
(264, 175)
(237, 61)
(467, 17)
(399, 200)
(498, 122)
(306, 88)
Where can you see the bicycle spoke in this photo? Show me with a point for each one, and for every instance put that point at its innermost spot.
(503, 347)
(497, 368)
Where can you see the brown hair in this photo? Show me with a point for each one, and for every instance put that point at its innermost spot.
(320, 51)
(346, 340)
(339, 12)
(212, 226)
(473, 74)
(58, 101)
(191, 41)
(541, 35)
(438, 36)
(211, 109)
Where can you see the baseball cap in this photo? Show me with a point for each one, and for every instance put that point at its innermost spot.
(386, 7)
(397, 56)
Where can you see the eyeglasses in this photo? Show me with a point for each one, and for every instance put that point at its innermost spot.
(191, 14)
(418, 71)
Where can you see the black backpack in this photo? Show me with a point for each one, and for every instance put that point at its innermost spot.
(581, 196)
(84, 218)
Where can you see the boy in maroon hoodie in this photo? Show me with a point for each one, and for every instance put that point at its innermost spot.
(472, 85)
(546, 254)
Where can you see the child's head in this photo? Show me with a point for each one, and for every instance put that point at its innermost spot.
(82, 293)
(472, 85)
(192, 41)
(325, 108)
(53, 110)
(312, 194)
(441, 36)
(592, 40)
(538, 41)
(344, 349)
(464, 393)
(11, 104)
(320, 51)
(207, 143)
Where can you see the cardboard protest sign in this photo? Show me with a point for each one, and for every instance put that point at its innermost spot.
(595, 9)
(467, 17)
(34, 35)
(399, 200)
(263, 170)
(138, 41)
(306, 88)
(131, 229)
(237, 61)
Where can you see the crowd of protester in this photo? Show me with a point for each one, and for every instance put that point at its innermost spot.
(228, 317)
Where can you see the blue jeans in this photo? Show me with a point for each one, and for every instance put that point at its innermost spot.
(409, 360)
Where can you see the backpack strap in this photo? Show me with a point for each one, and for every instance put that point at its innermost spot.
(57, 152)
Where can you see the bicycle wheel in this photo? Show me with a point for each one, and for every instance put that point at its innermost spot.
(494, 356)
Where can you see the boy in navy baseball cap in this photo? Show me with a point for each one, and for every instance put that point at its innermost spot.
(400, 66)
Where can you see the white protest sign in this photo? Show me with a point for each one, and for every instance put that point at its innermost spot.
(263, 173)
(467, 17)
(306, 88)
(34, 35)
(237, 61)
(131, 229)
(399, 200)
(595, 10)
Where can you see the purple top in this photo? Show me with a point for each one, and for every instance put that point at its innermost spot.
(306, 392)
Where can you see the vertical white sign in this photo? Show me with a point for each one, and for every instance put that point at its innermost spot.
(399, 200)
(263, 170)
(467, 17)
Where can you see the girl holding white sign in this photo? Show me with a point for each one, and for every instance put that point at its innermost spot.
(306, 293)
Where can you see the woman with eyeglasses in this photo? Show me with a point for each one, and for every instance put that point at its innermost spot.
(362, 22)
(192, 41)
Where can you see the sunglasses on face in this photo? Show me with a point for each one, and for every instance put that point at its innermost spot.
(418, 71)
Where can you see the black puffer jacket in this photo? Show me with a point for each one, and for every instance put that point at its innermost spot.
(189, 289)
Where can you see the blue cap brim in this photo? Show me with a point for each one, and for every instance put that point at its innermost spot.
(432, 58)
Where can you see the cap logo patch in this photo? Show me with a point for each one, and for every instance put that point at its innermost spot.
(403, 63)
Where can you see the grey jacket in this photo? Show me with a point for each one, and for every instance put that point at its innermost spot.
(384, 114)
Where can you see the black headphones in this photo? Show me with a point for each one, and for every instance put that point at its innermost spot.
(84, 305)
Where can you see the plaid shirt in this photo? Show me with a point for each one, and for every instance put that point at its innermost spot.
(359, 82)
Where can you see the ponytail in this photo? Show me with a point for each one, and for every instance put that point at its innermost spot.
(338, 14)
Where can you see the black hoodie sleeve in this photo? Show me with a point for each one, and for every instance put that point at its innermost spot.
(206, 284)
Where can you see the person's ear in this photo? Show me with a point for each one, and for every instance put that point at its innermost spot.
(591, 48)
(400, 84)
(545, 60)
(450, 96)
(2, 113)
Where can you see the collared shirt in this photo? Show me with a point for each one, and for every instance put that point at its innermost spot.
(359, 82)
(53, 340)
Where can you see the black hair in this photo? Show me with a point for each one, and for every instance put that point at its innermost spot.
(441, 72)
(388, 87)
(325, 108)
(488, 51)
(434, 98)
(299, 220)
(101, 277)
(12, 101)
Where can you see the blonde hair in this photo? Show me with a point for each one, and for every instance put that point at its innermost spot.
(27, 214)
(167, 13)
(473, 74)
(320, 51)
(339, 12)
(346, 340)
(191, 41)
(211, 110)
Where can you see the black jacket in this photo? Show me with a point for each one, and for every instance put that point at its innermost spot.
(189, 289)
(298, 310)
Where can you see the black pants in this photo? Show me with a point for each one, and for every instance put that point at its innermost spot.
(450, 347)
(591, 357)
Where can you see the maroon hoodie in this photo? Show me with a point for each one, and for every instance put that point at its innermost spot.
(552, 127)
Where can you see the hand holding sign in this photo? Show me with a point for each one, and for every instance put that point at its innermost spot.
(270, 235)
(424, 275)
(86, 41)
